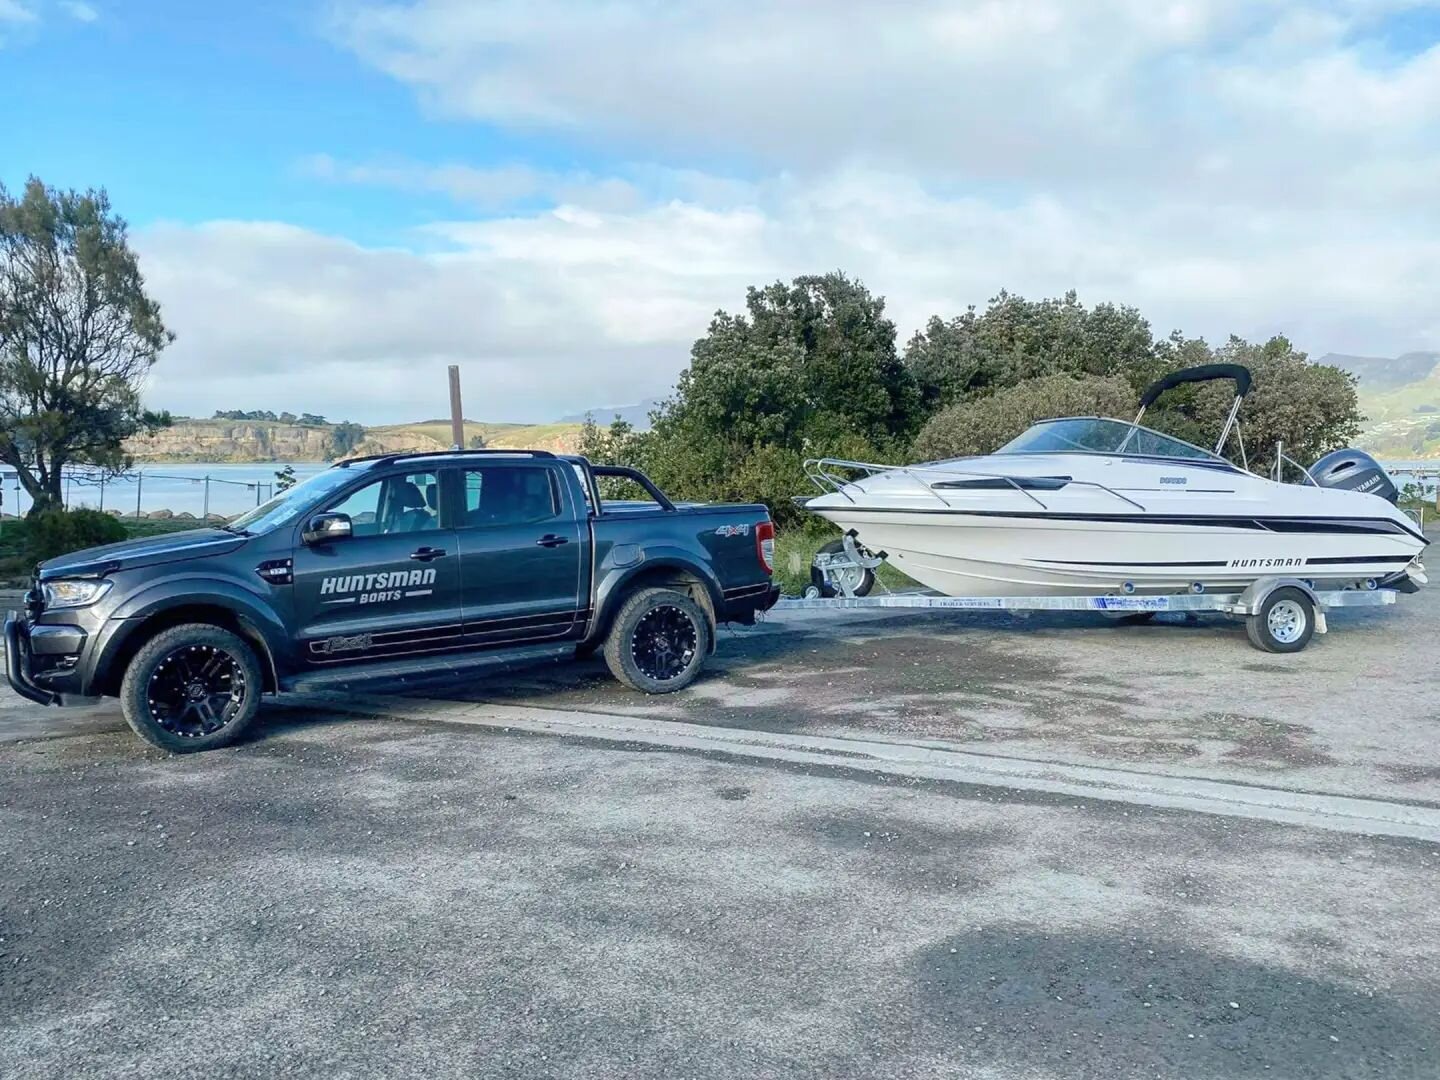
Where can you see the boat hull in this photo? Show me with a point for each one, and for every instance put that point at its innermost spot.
(967, 554)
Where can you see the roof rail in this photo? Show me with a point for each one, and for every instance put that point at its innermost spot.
(409, 454)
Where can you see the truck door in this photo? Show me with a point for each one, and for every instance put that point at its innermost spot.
(392, 587)
(523, 553)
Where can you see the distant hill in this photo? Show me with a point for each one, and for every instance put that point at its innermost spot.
(638, 416)
(243, 441)
(1400, 399)
(1378, 373)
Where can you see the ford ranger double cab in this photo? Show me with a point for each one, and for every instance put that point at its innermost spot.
(391, 567)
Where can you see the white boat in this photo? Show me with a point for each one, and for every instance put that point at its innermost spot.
(1096, 506)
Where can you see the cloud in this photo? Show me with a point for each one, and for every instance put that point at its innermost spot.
(1062, 94)
(552, 311)
(79, 10)
(18, 16)
(13, 16)
(489, 187)
(1246, 166)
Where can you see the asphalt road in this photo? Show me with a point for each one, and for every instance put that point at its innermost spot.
(431, 894)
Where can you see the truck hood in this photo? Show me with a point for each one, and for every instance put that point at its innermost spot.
(146, 551)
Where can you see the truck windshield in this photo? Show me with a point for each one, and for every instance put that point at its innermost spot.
(289, 505)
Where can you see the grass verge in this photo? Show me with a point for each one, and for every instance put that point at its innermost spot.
(795, 550)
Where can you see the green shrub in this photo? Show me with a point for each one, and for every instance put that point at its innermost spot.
(988, 423)
(57, 532)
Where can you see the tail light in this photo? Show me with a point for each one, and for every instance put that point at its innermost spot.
(765, 545)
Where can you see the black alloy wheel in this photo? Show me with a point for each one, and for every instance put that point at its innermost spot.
(192, 687)
(196, 690)
(664, 642)
(659, 640)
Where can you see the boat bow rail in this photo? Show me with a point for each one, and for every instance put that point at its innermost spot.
(819, 472)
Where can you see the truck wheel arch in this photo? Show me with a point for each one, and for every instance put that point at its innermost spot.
(118, 652)
(676, 574)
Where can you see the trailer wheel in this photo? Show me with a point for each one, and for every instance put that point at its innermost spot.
(861, 579)
(191, 687)
(658, 642)
(1285, 622)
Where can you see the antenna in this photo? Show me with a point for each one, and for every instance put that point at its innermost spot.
(457, 414)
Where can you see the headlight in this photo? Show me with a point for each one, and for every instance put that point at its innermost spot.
(70, 594)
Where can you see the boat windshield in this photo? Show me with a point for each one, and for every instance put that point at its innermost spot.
(1092, 435)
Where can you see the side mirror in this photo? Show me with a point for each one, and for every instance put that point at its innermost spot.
(322, 528)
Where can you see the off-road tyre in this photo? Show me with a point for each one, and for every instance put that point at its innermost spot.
(658, 642)
(192, 687)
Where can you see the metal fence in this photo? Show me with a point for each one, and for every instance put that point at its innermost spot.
(138, 493)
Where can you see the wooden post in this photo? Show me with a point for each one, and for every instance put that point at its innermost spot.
(457, 414)
(139, 487)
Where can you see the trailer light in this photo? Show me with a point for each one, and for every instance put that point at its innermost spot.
(765, 545)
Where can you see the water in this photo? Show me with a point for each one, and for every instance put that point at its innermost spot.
(1404, 474)
(233, 489)
(236, 488)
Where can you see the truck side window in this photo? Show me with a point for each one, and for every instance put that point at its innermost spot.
(509, 495)
(396, 504)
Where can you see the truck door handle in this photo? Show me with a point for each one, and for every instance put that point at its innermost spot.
(425, 554)
(551, 540)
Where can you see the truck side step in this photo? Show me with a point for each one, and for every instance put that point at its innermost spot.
(409, 672)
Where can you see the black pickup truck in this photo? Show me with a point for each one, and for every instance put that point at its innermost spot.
(391, 567)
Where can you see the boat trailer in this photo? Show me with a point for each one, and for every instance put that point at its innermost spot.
(1281, 613)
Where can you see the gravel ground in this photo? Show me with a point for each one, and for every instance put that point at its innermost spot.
(360, 898)
(1358, 712)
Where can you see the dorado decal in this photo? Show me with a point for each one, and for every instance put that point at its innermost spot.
(376, 588)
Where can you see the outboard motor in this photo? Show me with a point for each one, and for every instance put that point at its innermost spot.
(1354, 470)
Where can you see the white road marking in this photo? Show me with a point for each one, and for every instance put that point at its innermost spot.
(1372, 817)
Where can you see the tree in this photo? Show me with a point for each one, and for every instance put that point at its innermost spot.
(985, 424)
(811, 367)
(618, 444)
(1017, 339)
(78, 335)
(476, 442)
(344, 437)
(1311, 408)
(284, 478)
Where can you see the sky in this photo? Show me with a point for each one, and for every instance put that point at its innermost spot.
(333, 201)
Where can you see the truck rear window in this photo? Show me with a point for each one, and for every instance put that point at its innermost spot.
(509, 495)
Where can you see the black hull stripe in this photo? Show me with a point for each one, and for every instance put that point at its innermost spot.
(1382, 526)
(1360, 559)
(1225, 563)
(1077, 562)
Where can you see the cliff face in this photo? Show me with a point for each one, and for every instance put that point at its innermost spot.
(233, 440)
(242, 441)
